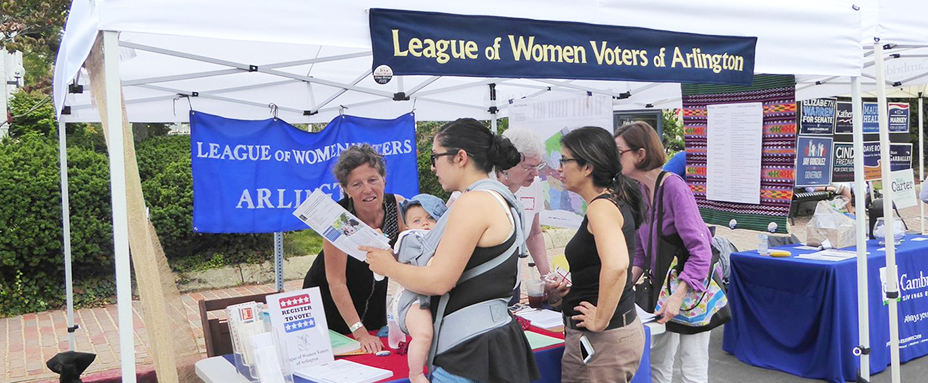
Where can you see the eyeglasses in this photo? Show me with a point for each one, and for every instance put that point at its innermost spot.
(538, 167)
(564, 160)
(621, 152)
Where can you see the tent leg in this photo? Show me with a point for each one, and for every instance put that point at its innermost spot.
(120, 205)
(892, 288)
(279, 261)
(493, 109)
(863, 308)
(921, 156)
(66, 229)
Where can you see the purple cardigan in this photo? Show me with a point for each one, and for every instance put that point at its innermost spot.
(681, 216)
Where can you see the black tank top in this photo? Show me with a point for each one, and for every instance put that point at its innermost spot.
(499, 355)
(585, 267)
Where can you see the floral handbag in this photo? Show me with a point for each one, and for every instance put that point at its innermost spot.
(700, 311)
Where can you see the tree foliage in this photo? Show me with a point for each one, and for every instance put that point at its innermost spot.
(33, 26)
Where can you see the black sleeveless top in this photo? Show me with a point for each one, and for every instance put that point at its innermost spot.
(585, 267)
(369, 296)
(502, 354)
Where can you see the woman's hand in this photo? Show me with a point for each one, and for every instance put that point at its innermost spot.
(670, 308)
(379, 260)
(369, 343)
(556, 290)
(587, 317)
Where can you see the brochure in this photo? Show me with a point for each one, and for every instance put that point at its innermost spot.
(338, 226)
(299, 318)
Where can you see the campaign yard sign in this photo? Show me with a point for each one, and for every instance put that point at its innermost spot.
(813, 164)
(898, 117)
(900, 158)
(844, 117)
(817, 116)
(871, 117)
(842, 168)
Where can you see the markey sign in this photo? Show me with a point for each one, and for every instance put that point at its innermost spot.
(428, 43)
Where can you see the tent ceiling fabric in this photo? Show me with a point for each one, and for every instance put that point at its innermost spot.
(173, 46)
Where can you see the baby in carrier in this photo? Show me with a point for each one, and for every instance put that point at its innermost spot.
(411, 310)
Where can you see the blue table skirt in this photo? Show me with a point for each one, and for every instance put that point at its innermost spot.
(800, 316)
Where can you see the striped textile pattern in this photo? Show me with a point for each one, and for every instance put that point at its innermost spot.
(778, 96)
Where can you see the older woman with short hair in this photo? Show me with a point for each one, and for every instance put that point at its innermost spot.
(354, 302)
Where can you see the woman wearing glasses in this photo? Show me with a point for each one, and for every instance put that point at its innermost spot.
(604, 339)
(354, 302)
(642, 156)
(481, 229)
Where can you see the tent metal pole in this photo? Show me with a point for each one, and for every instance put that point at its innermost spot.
(921, 156)
(279, 261)
(892, 288)
(863, 308)
(493, 123)
(66, 229)
(120, 204)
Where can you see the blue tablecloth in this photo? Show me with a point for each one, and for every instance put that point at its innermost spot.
(800, 316)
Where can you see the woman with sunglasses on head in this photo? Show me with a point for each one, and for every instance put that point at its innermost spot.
(642, 156)
(604, 339)
(479, 229)
(354, 302)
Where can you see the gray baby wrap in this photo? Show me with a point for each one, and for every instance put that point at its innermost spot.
(409, 250)
(480, 317)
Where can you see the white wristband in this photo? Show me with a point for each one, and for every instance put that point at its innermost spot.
(355, 326)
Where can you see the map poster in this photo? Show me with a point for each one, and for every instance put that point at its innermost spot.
(550, 119)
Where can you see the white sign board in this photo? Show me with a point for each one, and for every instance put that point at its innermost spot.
(299, 320)
(903, 188)
(550, 119)
(734, 141)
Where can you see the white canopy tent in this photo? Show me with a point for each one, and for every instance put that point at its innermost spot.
(312, 59)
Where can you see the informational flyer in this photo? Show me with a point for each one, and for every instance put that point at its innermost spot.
(299, 320)
(734, 140)
(817, 116)
(343, 229)
(813, 162)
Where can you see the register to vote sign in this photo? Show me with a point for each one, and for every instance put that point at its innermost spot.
(299, 320)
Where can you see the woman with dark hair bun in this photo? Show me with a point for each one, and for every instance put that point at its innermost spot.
(481, 228)
(599, 309)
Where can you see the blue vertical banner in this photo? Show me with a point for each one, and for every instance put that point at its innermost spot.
(430, 43)
(249, 176)
(813, 164)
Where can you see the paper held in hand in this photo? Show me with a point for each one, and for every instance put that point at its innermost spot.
(338, 226)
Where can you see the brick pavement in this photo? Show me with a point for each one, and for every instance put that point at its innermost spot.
(27, 341)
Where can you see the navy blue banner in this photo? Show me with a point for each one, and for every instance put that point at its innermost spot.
(427, 43)
(249, 176)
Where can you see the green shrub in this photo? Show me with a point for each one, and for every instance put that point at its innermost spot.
(32, 276)
(32, 112)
